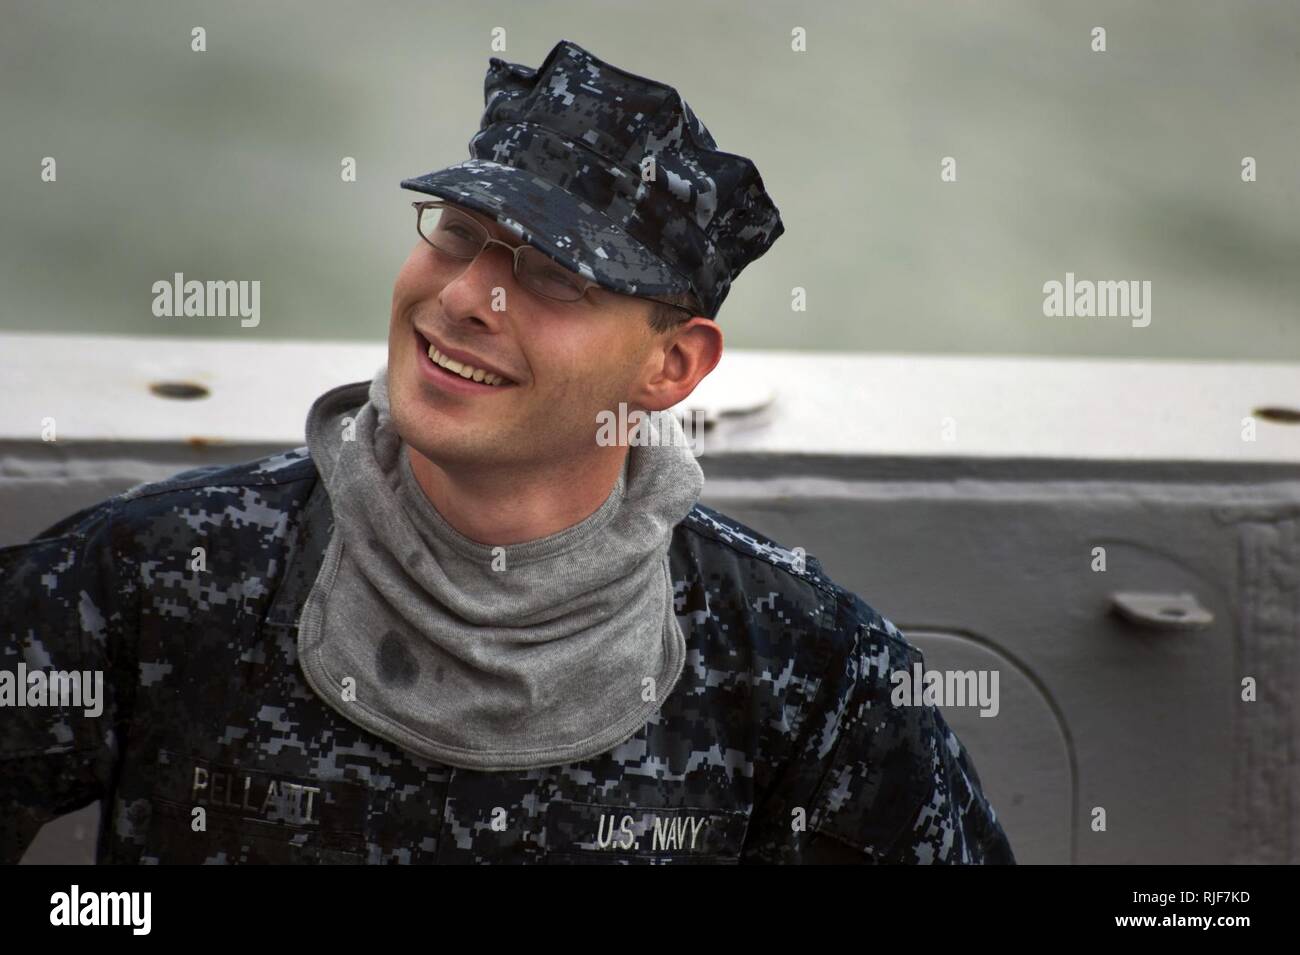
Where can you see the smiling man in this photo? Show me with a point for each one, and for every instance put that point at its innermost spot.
(516, 457)
(458, 627)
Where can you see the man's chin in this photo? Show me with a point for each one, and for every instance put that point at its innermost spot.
(441, 436)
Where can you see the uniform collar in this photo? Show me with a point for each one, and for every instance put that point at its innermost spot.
(306, 552)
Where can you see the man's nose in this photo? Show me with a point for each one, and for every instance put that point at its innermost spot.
(499, 271)
(472, 291)
(509, 250)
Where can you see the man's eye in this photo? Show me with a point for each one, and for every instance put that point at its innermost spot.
(562, 278)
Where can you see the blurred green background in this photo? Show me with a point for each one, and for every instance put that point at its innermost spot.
(1118, 165)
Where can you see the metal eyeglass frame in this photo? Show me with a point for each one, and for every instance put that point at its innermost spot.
(515, 251)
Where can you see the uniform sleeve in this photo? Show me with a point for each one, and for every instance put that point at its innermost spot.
(60, 624)
(876, 783)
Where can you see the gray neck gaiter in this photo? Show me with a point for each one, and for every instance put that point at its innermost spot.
(497, 658)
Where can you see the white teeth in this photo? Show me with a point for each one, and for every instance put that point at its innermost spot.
(465, 371)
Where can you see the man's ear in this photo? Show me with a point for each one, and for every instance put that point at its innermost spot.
(683, 356)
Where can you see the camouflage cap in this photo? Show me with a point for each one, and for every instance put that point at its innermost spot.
(613, 176)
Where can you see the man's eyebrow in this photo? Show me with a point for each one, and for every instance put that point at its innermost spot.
(487, 221)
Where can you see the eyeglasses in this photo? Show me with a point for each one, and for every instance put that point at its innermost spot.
(463, 237)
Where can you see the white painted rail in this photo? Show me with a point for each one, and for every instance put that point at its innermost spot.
(97, 388)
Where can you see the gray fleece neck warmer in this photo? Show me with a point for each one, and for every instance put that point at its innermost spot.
(497, 658)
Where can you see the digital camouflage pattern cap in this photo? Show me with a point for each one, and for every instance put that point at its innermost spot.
(613, 176)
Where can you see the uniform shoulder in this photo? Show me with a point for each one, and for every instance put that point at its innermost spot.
(263, 476)
(248, 492)
(284, 467)
(716, 528)
(712, 529)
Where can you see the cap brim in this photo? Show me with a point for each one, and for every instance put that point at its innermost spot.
(568, 229)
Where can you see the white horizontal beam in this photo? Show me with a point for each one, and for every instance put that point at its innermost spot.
(97, 388)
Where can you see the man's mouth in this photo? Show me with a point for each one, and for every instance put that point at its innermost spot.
(443, 366)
